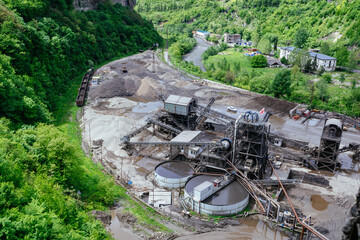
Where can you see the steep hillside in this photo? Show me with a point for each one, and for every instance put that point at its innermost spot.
(336, 21)
(92, 4)
(48, 187)
(44, 47)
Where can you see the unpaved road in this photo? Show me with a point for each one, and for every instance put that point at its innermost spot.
(195, 54)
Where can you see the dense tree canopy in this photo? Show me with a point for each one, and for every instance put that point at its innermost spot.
(254, 19)
(43, 49)
(264, 46)
(47, 185)
(281, 83)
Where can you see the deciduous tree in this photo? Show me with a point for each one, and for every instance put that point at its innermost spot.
(301, 38)
(281, 84)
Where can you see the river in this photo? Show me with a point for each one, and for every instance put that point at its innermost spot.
(195, 54)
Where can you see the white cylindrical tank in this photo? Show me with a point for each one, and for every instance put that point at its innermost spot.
(172, 174)
(230, 200)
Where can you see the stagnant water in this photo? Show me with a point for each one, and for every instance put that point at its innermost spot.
(250, 228)
(174, 169)
(118, 231)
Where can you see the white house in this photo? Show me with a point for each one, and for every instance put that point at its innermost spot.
(329, 63)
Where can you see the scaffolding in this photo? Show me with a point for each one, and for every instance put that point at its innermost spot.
(329, 145)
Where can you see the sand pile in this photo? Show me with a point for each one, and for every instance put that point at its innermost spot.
(149, 88)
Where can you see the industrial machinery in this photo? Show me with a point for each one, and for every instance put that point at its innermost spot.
(329, 145)
(250, 150)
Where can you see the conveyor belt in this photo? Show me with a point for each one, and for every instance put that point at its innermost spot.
(210, 144)
(206, 109)
(163, 125)
(127, 137)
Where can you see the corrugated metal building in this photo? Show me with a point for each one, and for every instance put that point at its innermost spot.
(179, 105)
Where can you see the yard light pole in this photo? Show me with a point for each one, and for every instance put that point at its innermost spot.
(155, 48)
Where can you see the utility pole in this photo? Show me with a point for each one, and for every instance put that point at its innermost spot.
(121, 169)
(155, 48)
(90, 138)
(167, 38)
(153, 65)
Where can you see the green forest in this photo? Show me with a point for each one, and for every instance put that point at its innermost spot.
(333, 27)
(47, 185)
(324, 20)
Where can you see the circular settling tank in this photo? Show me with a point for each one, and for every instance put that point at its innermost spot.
(231, 199)
(173, 174)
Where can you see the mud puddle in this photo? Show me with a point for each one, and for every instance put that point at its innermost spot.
(318, 202)
(147, 163)
(249, 229)
(118, 231)
(148, 107)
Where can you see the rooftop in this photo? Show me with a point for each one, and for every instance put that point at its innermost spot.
(178, 100)
(186, 136)
(203, 186)
(321, 56)
(206, 32)
(334, 121)
(312, 54)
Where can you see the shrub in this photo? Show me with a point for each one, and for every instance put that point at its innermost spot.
(326, 77)
(258, 61)
(283, 60)
(321, 70)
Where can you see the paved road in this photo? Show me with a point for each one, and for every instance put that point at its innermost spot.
(195, 55)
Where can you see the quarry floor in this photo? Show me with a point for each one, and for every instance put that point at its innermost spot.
(123, 101)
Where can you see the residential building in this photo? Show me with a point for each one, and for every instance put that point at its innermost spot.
(232, 38)
(329, 63)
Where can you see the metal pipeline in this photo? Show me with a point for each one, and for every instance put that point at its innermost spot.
(314, 231)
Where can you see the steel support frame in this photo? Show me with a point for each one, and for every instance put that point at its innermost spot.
(251, 143)
(328, 152)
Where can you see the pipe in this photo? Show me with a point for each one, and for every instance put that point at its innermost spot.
(314, 231)
(234, 144)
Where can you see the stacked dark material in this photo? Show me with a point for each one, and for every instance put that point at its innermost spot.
(351, 229)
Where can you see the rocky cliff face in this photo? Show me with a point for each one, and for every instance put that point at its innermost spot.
(92, 4)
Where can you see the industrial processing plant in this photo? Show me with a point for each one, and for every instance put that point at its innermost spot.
(178, 147)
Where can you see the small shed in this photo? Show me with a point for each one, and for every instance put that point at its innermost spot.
(184, 137)
(272, 62)
(202, 191)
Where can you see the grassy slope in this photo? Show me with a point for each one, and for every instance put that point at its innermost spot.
(338, 93)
